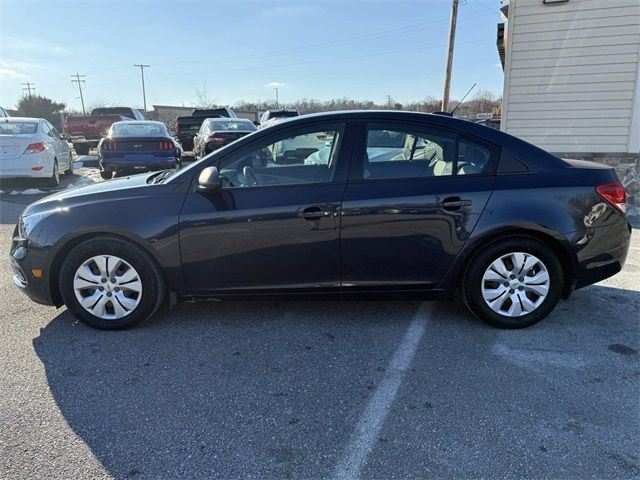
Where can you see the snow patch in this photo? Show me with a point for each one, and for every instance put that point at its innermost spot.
(28, 191)
(87, 158)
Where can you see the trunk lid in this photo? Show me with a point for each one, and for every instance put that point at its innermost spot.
(13, 146)
(229, 136)
(118, 147)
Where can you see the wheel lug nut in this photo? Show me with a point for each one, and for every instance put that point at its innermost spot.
(101, 289)
(512, 277)
(108, 294)
(117, 289)
(521, 279)
(511, 290)
(506, 284)
(103, 280)
(520, 288)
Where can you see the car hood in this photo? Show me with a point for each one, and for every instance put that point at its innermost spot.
(132, 186)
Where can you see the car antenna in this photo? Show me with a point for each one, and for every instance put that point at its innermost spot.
(465, 96)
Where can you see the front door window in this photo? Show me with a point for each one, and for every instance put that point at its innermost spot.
(304, 158)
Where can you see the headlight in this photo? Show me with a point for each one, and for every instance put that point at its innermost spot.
(27, 223)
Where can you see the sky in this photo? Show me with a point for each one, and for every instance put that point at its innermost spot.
(242, 49)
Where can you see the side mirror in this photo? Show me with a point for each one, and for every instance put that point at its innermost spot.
(209, 180)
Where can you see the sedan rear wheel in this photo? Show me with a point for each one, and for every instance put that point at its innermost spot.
(513, 283)
(54, 181)
(110, 283)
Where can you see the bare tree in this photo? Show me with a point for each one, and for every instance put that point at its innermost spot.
(202, 98)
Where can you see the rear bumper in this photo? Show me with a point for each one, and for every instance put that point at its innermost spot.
(26, 171)
(602, 252)
(138, 163)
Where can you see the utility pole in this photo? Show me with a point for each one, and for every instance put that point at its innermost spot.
(277, 102)
(144, 95)
(79, 81)
(452, 39)
(27, 86)
(389, 102)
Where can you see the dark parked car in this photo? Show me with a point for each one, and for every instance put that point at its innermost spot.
(188, 126)
(389, 205)
(215, 133)
(86, 132)
(136, 147)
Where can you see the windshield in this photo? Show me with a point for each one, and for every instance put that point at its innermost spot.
(281, 114)
(219, 126)
(101, 112)
(137, 130)
(18, 128)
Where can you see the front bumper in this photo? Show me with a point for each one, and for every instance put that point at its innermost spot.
(24, 258)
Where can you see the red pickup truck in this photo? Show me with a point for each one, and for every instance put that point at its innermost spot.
(85, 132)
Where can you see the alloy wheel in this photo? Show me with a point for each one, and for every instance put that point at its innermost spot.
(107, 287)
(515, 284)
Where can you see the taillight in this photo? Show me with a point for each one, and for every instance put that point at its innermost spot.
(216, 140)
(614, 194)
(35, 148)
(108, 146)
(166, 145)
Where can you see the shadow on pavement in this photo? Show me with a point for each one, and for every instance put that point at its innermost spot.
(273, 390)
(224, 390)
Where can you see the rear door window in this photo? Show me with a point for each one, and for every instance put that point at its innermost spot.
(397, 151)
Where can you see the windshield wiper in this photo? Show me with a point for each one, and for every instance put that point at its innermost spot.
(162, 175)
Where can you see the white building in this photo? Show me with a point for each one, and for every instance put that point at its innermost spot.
(572, 75)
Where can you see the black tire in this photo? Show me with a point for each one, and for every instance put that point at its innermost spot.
(54, 180)
(149, 273)
(69, 171)
(81, 148)
(472, 281)
(106, 175)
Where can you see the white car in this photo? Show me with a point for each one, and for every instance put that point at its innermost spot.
(33, 148)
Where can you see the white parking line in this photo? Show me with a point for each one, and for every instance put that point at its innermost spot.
(370, 422)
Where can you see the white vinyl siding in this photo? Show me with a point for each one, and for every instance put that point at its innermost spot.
(571, 74)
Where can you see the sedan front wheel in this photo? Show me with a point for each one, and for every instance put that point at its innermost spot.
(110, 283)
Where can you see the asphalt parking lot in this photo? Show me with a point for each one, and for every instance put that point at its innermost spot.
(320, 390)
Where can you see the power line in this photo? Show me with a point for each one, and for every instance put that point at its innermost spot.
(78, 80)
(493, 10)
(317, 46)
(144, 95)
(307, 62)
(28, 86)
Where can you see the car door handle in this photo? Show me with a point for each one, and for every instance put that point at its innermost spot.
(454, 203)
(315, 213)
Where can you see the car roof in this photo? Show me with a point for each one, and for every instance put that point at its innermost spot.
(227, 119)
(138, 122)
(23, 119)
